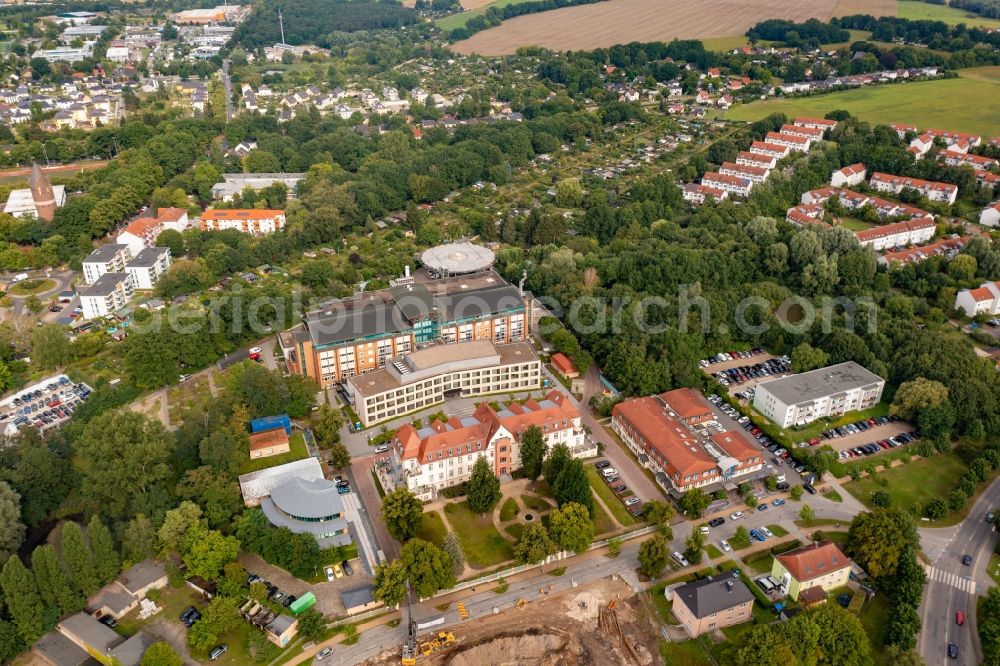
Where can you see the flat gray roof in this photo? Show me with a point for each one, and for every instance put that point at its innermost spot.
(130, 652)
(142, 574)
(104, 253)
(106, 284)
(255, 485)
(61, 651)
(819, 383)
(705, 597)
(148, 256)
(91, 632)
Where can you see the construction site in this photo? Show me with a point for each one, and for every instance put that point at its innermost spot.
(604, 622)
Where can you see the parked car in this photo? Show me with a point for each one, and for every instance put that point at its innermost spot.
(766, 532)
(289, 600)
(777, 502)
(324, 653)
(108, 621)
(631, 501)
(217, 652)
(338, 571)
(601, 464)
(329, 574)
(736, 516)
(725, 546)
(808, 487)
(715, 522)
(348, 569)
(953, 650)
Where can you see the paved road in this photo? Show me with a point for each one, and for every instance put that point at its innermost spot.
(62, 280)
(228, 84)
(628, 469)
(952, 586)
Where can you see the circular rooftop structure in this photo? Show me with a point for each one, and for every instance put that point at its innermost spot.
(457, 258)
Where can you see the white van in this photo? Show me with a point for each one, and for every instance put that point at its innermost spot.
(780, 478)
(19, 277)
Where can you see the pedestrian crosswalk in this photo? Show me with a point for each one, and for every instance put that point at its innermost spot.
(948, 578)
(462, 613)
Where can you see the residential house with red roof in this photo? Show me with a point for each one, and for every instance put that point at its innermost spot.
(819, 565)
(934, 191)
(849, 176)
(247, 220)
(815, 123)
(696, 194)
(984, 299)
(990, 216)
(143, 231)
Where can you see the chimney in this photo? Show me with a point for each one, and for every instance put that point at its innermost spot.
(729, 586)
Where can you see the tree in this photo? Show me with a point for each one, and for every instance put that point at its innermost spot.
(532, 452)
(806, 357)
(876, 541)
(654, 553)
(571, 527)
(233, 582)
(52, 581)
(569, 193)
(453, 547)
(903, 626)
(107, 565)
(917, 395)
(218, 494)
(22, 599)
(173, 240)
(806, 513)
(79, 560)
(328, 425)
(122, 457)
(556, 459)
(178, 525)
(427, 567)
(534, 544)
(882, 498)
(897, 657)
(694, 502)
(11, 643)
(402, 513)
(340, 457)
(795, 492)
(161, 654)
(763, 646)
(311, 624)
(224, 449)
(572, 485)
(841, 639)
(221, 615)
(50, 347)
(209, 551)
(11, 528)
(694, 546)
(483, 488)
(389, 583)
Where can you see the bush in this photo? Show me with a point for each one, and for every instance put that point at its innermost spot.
(451, 492)
(936, 509)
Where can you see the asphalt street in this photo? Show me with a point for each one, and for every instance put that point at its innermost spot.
(953, 586)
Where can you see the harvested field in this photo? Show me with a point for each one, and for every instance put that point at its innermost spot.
(562, 630)
(873, 7)
(623, 21)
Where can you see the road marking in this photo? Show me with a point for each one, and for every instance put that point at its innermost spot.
(952, 579)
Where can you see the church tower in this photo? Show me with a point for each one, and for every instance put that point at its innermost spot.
(42, 194)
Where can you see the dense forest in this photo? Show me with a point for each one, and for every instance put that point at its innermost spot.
(987, 8)
(312, 21)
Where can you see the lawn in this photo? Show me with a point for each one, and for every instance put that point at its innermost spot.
(854, 224)
(185, 396)
(923, 11)
(761, 561)
(688, 653)
(874, 618)
(297, 451)
(458, 20)
(916, 482)
(602, 522)
(29, 287)
(509, 510)
(954, 104)
(481, 542)
(712, 551)
(432, 528)
(839, 538)
(833, 496)
(778, 530)
(533, 503)
(615, 505)
(725, 43)
(994, 568)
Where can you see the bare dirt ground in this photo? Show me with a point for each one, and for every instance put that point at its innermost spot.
(562, 630)
(623, 21)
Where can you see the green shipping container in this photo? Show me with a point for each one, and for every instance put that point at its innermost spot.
(303, 603)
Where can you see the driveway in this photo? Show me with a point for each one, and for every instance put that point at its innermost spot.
(631, 473)
(173, 632)
(364, 488)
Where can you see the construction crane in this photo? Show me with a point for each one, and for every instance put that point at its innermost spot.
(409, 657)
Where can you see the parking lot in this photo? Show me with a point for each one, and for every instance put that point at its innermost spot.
(45, 405)
(740, 374)
(327, 593)
(879, 429)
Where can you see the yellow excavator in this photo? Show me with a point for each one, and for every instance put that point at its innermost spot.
(443, 638)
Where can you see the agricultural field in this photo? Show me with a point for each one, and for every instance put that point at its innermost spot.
(922, 11)
(873, 7)
(954, 104)
(473, 8)
(624, 21)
